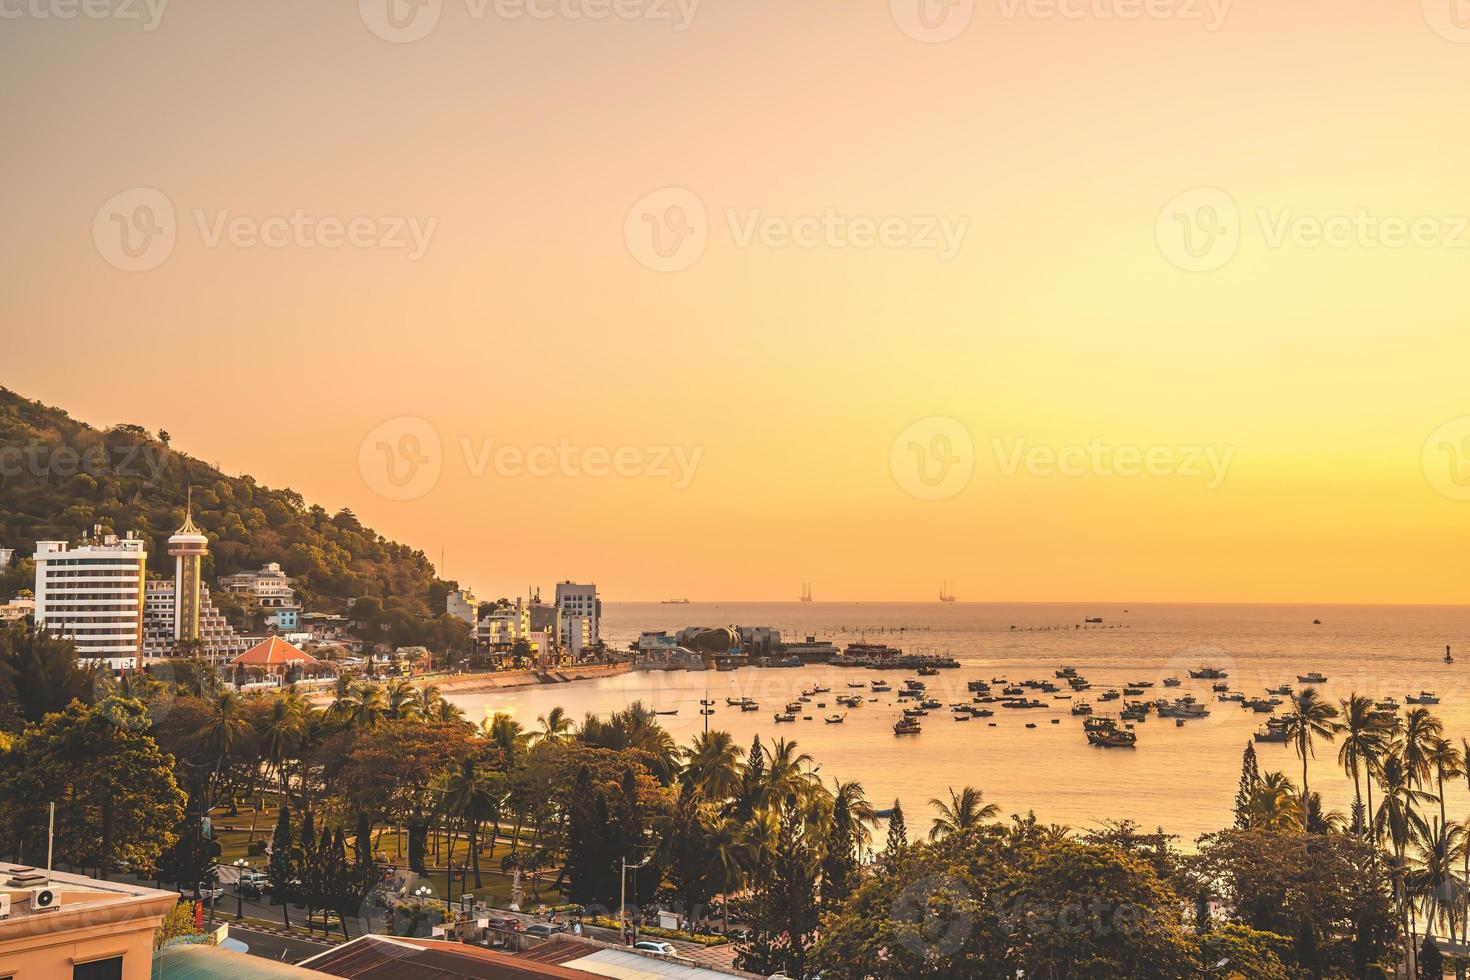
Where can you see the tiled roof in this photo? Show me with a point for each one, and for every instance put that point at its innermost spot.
(384, 958)
(273, 652)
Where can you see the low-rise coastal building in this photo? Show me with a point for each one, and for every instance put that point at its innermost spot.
(462, 604)
(17, 609)
(66, 925)
(270, 591)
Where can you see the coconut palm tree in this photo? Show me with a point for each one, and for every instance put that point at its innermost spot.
(786, 772)
(282, 733)
(344, 699)
(1417, 737)
(1364, 741)
(556, 727)
(224, 729)
(712, 766)
(370, 708)
(1431, 871)
(402, 700)
(505, 732)
(1397, 823)
(1275, 804)
(964, 810)
(728, 856)
(1446, 762)
(1312, 718)
(471, 796)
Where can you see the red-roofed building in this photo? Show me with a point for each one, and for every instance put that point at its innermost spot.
(275, 657)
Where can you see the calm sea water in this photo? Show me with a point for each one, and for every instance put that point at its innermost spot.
(1181, 778)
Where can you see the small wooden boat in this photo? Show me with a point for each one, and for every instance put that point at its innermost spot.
(835, 719)
(906, 726)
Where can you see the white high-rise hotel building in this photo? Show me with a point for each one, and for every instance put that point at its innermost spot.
(93, 595)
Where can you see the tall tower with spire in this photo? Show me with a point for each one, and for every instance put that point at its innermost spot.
(188, 546)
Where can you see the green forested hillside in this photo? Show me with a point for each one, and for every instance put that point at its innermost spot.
(59, 477)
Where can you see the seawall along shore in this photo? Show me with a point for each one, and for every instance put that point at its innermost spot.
(503, 679)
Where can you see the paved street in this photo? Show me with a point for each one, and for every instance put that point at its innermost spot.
(277, 947)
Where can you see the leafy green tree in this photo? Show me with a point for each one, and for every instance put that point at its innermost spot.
(117, 802)
(40, 673)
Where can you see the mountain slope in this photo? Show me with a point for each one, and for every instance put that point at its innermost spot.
(59, 477)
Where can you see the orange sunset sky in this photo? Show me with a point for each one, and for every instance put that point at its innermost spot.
(1228, 232)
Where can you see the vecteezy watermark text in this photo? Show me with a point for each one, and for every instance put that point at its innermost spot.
(406, 21)
(1200, 230)
(1099, 459)
(568, 459)
(403, 459)
(136, 230)
(39, 459)
(669, 230)
(148, 13)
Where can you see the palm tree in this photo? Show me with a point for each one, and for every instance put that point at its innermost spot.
(402, 700)
(1397, 823)
(963, 811)
(1312, 719)
(1447, 762)
(223, 730)
(344, 699)
(1420, 731)
(1431, 872)
(281, 735)
(726, 847)
(370, 708)
(505, 732)
(1362, 744)
(556, 727)
(1276, 805)
(472, 797)
(786, 772)
(712, 766)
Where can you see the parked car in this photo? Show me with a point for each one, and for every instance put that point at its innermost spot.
(507, 923)
(655, 946)
(544, 930)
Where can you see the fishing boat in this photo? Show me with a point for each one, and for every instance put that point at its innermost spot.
(1112, 738)
(1312, 678)
(750, 706)
(962, 716)
(906, 726)
(785, 717)
(1172, 682)
(1282, 689)
(819, 689)
(857, 684)
(1081, 708)
(675, 711)
(1140, 683)
(1066, 673)
(982, 713)
(1182, 709)
(1030, 724)
(1275, 731)
(1208, 674)
(931, 704)
(1110, 696)
(928, 671)
(881, 686)
(793, 707)
(1425, 697)
(1133, 692)
(834, 719)
(1220, 688)
(914, 712)
(977, 686)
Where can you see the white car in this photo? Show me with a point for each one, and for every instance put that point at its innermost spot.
(651, 946)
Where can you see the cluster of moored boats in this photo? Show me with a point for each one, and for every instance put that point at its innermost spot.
(1134, 705)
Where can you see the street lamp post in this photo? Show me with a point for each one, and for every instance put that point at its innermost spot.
(623, 895)
(241, 865)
